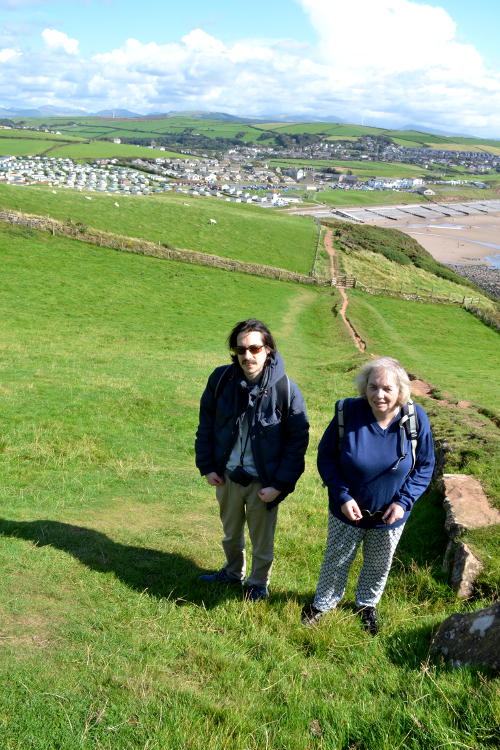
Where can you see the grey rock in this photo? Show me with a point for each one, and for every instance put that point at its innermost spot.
(463, 567)
(470, 639)
(466, 505)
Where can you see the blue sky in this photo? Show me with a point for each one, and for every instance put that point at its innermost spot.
(382, 62)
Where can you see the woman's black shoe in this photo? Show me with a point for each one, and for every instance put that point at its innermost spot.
(369, 619)
(310, 616)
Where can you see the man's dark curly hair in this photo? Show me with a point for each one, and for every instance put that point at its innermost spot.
(245, 326)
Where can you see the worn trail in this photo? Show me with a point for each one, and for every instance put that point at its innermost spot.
(358, 341)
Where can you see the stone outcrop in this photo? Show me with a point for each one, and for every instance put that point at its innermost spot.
(463, 568)
(467, 507)
(470, 639)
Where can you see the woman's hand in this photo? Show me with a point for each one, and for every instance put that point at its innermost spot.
(351, 510)
(393, 513)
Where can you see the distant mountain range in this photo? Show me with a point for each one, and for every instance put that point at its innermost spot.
(51, 111)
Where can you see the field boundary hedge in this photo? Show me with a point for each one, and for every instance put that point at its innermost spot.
(83, 233)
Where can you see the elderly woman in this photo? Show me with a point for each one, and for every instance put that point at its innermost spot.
(374, 475)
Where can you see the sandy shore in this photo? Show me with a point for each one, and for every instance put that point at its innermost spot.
(454, 239)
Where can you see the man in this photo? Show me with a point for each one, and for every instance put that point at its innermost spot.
(250, 445)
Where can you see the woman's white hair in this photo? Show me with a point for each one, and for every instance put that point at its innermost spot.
(388, 365)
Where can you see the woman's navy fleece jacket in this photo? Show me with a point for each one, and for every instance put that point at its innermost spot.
(364, 470)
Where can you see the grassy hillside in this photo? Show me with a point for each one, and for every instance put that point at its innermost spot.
(20, 134)
(109, 127)
(362, 169)
(350, 198)
(244, 232)
(108, 640)
(73, 149)
(394, 245)
(376, 271)
(458, 355)
(105, 150)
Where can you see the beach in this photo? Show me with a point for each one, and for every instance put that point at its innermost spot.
(461, 240)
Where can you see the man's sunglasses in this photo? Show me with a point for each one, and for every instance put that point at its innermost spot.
(253, 349)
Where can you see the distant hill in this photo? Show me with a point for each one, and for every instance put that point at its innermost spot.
(52, 111)
(116, 113)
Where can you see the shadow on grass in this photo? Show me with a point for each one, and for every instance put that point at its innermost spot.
(160, 574)
(424, 539)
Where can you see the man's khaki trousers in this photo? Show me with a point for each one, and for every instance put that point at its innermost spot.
(238, 505)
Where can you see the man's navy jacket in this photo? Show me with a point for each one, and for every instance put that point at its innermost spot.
(278, 440)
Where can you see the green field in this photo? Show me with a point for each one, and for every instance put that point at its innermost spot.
(362, 169)
(244, 232)
(375, 271)
(465, 193)
(29, 135)
(108, 639)
(109, 127)
(353, 198)
(26, 146)
(423, 337)
(60, 148)
(384, 323)
(105, 150)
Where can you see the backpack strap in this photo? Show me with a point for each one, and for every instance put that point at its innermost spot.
(409, 426)
(339, 413)
(222, 381)
(283, 394)
(282, 390)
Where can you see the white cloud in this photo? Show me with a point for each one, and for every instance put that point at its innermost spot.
(8, 53)
(57, 41)
(389, 37)
(387, 62)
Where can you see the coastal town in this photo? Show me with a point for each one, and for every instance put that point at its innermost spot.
(234, 176)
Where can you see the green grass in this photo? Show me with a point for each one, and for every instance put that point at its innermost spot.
(362, 169)
(458, 355)
(29, 135)
(352, 239)
(353, 198)
(245, 232)
(46, 144)
(213, 128)
(108, 639)
(106, 150)
(107, 127)
(33, 146)
(385, 324)
(375, 271)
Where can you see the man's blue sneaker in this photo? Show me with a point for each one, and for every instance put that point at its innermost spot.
(255, 593)
(219, 577)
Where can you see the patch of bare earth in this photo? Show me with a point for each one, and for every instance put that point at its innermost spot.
(358, 341)
(29, 630)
